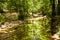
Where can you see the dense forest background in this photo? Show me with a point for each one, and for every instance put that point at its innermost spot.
(29, 20)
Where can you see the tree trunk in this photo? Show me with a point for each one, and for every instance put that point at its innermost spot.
(58, 7)
(53, 27)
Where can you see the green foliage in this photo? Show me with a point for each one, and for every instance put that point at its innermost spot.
(22, 16)
(2, 18)
(45, 29)
(37, 29)
(13, 17)
(21, 33)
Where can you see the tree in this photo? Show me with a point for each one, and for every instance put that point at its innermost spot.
(53, 26)
(58, 7)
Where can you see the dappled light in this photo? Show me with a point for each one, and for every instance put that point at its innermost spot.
(29, 20)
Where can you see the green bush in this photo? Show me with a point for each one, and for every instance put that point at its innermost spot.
(13, 17)
(2, 18)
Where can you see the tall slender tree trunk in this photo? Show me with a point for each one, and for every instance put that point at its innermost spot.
(53, 27)
(58, 7)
